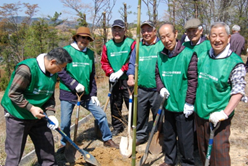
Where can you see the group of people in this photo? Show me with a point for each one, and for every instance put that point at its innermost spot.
(202, 81)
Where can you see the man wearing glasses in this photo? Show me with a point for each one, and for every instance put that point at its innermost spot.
(148, 97)
(115, 58)
(79, 77)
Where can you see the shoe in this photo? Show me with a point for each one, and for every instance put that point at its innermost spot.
(140, 142)
(165, 164)
(61, 149)
(111, 143)
(115, 132)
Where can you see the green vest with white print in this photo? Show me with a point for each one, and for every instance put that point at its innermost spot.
(38, 92)
(173, 74)
(200, 48)
(119, 53)
(213, 91)
(81, 67)
(147, 63)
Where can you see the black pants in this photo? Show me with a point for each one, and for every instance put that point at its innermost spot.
(178, 130)
(119, 93)
(17, 131)
(146, 100)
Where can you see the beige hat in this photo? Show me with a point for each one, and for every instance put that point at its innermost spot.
(192, 23)
(83, 31)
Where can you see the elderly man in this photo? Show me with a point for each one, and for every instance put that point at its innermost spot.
(79, 77)
(176, 79)
(30, 93)
(194, 32)
(237, 42)
(115, 58)
(148, 98)
(221, 85)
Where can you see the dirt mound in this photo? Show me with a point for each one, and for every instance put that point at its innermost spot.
(108, 157)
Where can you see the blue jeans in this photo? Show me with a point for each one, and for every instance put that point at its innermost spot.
(97, 112)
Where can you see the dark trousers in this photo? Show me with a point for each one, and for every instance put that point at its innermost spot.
(119, 93)
(178, 130)
(221, 145)
(17, 131)
(146, 100)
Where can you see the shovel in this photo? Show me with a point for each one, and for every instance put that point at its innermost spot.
(97, 129)
(77, 116)
(210, 142)
(126, 142)
(144, 157)
(157, 139)
(87, 156)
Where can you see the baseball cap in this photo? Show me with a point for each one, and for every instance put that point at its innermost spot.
(192, 23)
(148, 22)
(118, 23)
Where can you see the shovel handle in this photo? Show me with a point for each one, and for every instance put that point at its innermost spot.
(210, 142)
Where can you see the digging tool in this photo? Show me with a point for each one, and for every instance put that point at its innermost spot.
(87, 156)
(97, 129)
(144, 157)
(210, 142)
(126, 142)
(77, 115)
(157, 139)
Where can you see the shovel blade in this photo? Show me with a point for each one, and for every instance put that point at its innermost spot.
(156, 146)
(126, 146)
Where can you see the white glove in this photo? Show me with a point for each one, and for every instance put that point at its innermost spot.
(164, 93)
(188, 109)
(95, 100)
(55, 121)
(79, 88)
(115, 76)
(216, 117)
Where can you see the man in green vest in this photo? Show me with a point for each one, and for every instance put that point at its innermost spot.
(115, 58)
(198, 42)
(221, 85)
(29, 94)
(78, 77)
(148, 98)
(176, 79)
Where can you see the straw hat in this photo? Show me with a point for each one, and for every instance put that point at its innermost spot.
(83, 31)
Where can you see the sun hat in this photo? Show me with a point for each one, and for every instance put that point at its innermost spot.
(83, 31)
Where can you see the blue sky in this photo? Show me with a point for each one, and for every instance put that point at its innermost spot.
(48, 7)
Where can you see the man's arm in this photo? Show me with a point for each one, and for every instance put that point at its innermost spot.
(192, 80)
(105, 62)
(159, 82)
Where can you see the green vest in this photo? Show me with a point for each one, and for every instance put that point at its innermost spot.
(147, 63)
(119, 53)
(213, 91)
(81, 67)
(173, 73)
(200, 48)
(39, 91)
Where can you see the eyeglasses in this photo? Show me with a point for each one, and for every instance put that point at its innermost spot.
(85, 37)
(60, 68)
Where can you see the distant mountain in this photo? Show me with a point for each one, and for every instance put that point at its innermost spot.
(20, 19)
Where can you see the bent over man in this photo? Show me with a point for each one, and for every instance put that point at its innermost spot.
(29, 94)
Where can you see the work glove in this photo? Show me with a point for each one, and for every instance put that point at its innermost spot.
(164, 93)
(95, 100)
(188, 109)
(55, 121)
(216, 117)
(116, 75)
(79, 88)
